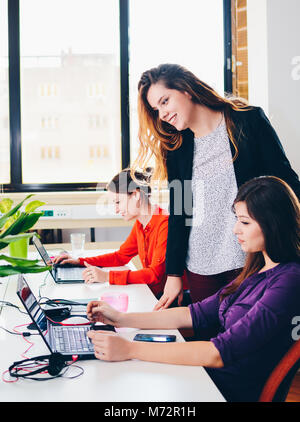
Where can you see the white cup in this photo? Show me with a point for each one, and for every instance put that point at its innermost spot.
(77, 242)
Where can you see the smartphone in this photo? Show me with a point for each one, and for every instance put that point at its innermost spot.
(101, 327)
(157, 338)
(56, 312)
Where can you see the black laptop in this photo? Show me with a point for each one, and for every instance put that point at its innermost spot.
(68, 340)
(66, 273)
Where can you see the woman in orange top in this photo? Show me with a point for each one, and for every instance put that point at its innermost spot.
(148, 237)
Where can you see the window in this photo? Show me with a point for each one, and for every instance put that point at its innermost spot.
(171, 31)
(69, 81)
(49, 122)
(239, 48)
(4, 100)
(47, 89)
(95, 90)
(73, 68)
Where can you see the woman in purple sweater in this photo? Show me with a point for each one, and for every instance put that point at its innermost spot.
(246, 327)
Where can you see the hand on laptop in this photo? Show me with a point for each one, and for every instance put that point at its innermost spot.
(94, 274)
(65, 258)
(110, 346)
(101, 311)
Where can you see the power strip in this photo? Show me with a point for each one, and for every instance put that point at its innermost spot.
(57, 212)
(77, 212)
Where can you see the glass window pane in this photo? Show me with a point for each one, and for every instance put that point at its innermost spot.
(70, 90)
(4, 99)
(188, 33)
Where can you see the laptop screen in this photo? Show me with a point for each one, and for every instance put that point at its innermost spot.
(43, 253)
(32, 307)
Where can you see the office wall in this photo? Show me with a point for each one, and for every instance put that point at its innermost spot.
(274, 68)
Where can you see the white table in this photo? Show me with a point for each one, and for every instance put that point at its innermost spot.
(128, 381)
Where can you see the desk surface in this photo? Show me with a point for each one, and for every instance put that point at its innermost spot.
(128, 381)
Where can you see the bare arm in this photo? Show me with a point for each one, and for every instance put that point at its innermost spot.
(173, 289)
(99, 311)
(165, 319)
(112, 347)
(198, 353)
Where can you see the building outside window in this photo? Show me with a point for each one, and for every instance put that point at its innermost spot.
(72, 100)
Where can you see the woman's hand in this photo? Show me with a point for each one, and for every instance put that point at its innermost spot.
(100, 311)
(94, 275)
(173, 289)
(110, 346)
(65, 258)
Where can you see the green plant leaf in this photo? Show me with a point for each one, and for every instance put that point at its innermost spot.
(7, 270)
(12, 238)
(19, 261)
(30, 221)
(15, 228)
(5, 205)
(13, 211)
(32, 206)
(9, 222)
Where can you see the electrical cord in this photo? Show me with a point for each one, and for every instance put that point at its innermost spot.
(44, 283)
(52, 303)
(24, 334)
(5, 303)
(53, 364)
(62, 302)
(27, 368)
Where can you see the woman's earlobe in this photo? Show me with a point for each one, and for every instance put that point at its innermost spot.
(137, 195)
(188, 94)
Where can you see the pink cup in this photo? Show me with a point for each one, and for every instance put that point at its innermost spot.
(118, 301)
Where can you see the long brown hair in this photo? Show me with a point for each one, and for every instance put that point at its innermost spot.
(273, 204)
(158, 137)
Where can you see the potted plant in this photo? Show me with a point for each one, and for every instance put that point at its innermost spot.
(14, 226)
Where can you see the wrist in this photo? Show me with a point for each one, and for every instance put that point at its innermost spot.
(121, 319)
(175, 276)
(132, 350)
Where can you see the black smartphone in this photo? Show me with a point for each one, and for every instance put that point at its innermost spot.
(56, 312)
(105, 327)
(157, 338)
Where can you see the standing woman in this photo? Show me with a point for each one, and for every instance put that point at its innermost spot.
(206, 146)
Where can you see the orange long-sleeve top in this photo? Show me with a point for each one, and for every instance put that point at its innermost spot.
(150, 244)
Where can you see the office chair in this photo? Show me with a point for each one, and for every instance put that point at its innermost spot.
(278, 384)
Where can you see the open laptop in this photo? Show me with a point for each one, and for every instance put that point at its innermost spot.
(67, 340)
(66, 273)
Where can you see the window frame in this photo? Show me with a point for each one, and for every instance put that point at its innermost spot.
(16, 184)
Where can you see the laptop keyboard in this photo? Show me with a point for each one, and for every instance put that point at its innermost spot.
(72, 339)
(69, 273)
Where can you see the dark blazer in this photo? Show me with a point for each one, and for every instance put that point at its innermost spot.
(260, 153)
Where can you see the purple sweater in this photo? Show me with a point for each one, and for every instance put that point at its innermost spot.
(251, 328)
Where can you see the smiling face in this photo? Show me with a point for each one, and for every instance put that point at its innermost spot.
(126, 205)
(173, 106)
(247, 230)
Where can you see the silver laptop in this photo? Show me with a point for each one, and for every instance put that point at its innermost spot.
(66, 273)
(67, 340)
